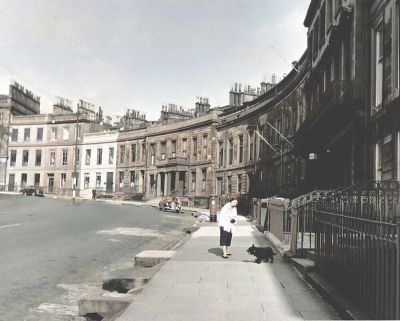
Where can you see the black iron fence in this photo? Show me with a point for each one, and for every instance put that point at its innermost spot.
(305, 234)
(355, 234)
(360, 257)
(303, 227)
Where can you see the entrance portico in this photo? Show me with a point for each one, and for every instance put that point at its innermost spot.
(171, 183)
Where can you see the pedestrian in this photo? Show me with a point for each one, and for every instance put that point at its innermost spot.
(94, 194)
(173, 203)
(226, 222)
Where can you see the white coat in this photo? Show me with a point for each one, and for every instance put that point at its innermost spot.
(227, 214)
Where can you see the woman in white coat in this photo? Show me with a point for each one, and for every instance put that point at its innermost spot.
(226, 222)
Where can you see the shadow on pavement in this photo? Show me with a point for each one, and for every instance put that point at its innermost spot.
(216, 251)
(248, 261)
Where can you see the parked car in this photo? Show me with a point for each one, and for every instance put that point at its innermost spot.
(32, 191)
(170, 204)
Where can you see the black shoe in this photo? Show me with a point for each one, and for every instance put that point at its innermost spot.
(225, 257)
(229, 254)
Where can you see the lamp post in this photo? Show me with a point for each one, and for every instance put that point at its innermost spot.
(75, 174)
(3, 149)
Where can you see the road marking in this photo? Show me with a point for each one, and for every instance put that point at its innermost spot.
(131, 231)
(59, 309)
(66, 303)
(9, 225)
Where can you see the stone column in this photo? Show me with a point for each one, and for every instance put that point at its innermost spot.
(186, 182)
(159, 184)
(148, 183)
(293, 231)
(166, 183)
(177, 185)
(143, 181)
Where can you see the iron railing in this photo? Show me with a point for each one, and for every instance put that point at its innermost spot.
(360, 256)
(303, 229)
(354, 233)
(357, 245)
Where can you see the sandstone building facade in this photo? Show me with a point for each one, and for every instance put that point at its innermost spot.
(42, 150)
(19, 101)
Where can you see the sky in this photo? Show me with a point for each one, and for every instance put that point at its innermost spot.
(142, 54)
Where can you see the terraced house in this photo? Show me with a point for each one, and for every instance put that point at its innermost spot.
(169, 157)
(19, 101)
(98, 163)
(383, 83)
(43, 149)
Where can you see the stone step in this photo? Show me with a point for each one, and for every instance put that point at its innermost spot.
(346, 309)
(99, 303)
(310, 254)
(149, 258)
(123, 280)
(303, 265)
(280, 246)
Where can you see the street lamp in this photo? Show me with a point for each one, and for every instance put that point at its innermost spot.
(3, 149)
(75, 174)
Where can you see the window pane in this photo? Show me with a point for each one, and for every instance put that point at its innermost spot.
(111, 155)
(27, 134)
(38, 161)
(13, 157)
(52, 158)
(64, 157)
(14, 135)
(133, 153)
(98, 180)
(99, 156)
(87, 157)
(39, 136)
(122, 155)
(65, 133)
(87, 180)
(25, 157)
(378, 66)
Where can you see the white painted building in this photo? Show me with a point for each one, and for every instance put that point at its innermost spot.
(98, 163)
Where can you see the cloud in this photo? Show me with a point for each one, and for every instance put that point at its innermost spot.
(140, 54)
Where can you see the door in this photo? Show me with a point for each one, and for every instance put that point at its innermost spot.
(110, 182)
(50, 183)
(37, 180)
(11, 182)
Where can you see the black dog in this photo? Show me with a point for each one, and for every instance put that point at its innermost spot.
(262, 253)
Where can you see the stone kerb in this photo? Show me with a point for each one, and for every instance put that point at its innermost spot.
(149, 258)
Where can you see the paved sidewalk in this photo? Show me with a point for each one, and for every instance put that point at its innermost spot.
(197, 284)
